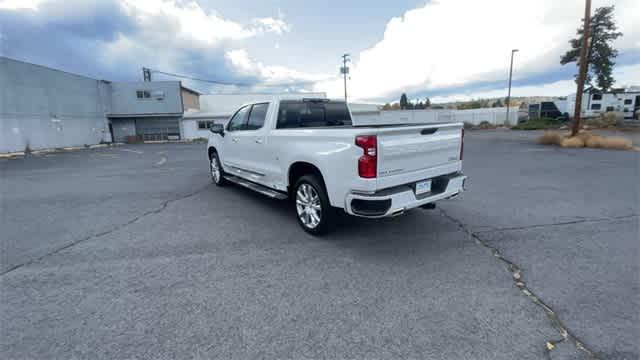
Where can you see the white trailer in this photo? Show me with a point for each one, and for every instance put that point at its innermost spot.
(594, 103)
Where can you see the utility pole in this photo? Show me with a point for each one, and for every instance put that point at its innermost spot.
(583, 69)
(345, 70)
(146, 74)
(513, 51)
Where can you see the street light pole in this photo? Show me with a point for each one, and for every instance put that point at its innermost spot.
(345, 70)
(513, 51)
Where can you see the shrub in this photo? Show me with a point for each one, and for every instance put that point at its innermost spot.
(485, 125)
(584, 139)
(551, 138)
(615, 143)
(605, 120)
(572, 142)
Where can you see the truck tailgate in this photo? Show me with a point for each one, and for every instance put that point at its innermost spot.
(406, 150)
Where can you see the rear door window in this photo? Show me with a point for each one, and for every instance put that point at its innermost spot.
(312, 114)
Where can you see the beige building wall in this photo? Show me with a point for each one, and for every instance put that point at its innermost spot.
(190, 100)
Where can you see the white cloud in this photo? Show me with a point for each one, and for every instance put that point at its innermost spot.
(625, 75)
(196, 25)
(20, 4)
(270, 74)
(450, 43)
(273, 25)
(168, 30)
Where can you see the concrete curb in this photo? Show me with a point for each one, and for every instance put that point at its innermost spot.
(21, 154)
(173, 141)
(12, 155)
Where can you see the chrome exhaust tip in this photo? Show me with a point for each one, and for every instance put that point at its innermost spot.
(397, 212)
(453, 196)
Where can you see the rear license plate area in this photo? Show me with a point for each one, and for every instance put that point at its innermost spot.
(423, 187)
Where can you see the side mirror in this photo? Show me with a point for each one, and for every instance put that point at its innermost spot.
(217, 129)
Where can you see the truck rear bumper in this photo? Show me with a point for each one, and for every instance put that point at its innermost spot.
(397, 200)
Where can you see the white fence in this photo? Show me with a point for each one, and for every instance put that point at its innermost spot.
(494, 116)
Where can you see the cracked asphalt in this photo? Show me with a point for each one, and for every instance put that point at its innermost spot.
(129, 253)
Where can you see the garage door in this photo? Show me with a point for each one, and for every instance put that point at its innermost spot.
(158, 128)
(121, 128)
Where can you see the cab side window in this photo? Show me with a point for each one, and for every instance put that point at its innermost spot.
(239, 120)
(257, 116)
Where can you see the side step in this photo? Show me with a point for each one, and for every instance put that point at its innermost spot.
(256, 187)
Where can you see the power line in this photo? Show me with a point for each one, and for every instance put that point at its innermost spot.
(230, 83)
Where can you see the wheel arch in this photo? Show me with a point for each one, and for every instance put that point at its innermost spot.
(301, 168)
(211, 150)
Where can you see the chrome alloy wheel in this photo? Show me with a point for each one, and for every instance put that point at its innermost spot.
(308, 206)
(215, 169)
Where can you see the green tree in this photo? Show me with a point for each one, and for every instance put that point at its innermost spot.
(497, 103)
(419, 105)
(473, 104)
(602, 33)
(427, 103)
(386, 106)
(395, 106)
(404, 103)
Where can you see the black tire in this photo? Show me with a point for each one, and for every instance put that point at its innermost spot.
(219, 180)
(327, 214)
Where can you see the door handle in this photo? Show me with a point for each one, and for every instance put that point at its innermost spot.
(234, 139)
(259, 141)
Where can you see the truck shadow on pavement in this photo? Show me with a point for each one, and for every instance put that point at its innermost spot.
(414, 229)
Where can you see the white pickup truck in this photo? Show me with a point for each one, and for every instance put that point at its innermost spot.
(309, 150)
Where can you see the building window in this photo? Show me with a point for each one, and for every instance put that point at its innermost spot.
(609, 108)
(596, 97)
(158, 95)
(596, 106)
(143, 94)
(204, 125)
(628, 101)
(627, 110)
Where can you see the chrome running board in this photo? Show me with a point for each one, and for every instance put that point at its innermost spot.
(256, 187)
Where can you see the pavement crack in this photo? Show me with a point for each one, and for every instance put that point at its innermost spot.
(579, 221)
(114, 228)
(518, 279)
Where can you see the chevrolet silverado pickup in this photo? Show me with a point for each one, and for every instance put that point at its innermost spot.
(310, 151)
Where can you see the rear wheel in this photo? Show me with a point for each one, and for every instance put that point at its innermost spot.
(215, 169)
(313, 210)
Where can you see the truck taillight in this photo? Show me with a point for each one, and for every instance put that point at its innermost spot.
(462, 144)
(368, 162)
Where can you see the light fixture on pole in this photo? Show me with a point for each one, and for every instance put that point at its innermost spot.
(509, 92)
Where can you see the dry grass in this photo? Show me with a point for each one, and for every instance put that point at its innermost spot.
(584, 139)
(551, 138)
(605, 120)
(615, 143)
(572, 142)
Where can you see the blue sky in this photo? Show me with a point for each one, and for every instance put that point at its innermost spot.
(445, 49)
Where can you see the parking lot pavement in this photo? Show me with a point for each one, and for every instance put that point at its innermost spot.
(54, 200)
(132, 256)
(569, 219)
